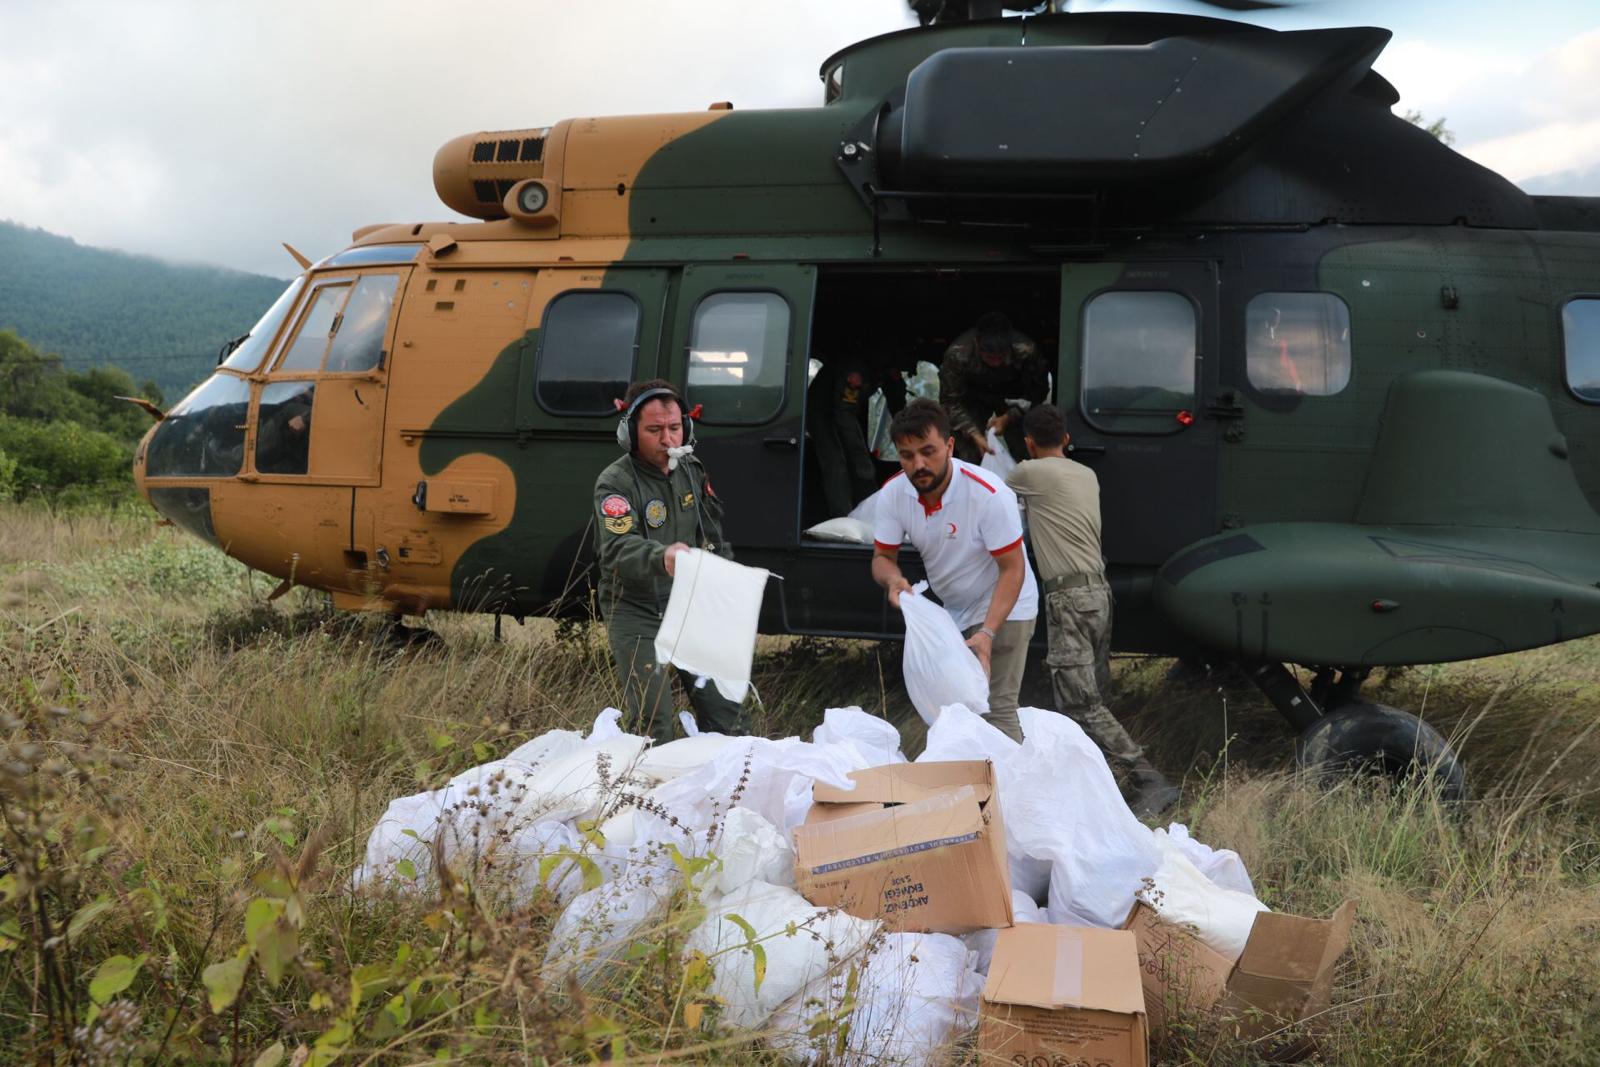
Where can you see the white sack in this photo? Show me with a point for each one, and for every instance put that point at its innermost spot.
(998, 461)
(1183, 896)
(578, 785)
(981, 942)
(801, 943)
(389, 842)
(939, 668)
(845, 529)
(1222, 865)
(547, 746)
(876, 739)
(750, 849)
(961, 734)
(676, 758)
(1062, 805)
(709, 627)
(605, 921)
(607, 727)
(916, 995)
(765, 776)
(958, 734)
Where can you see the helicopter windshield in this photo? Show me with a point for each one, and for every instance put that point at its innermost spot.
(203, 437)
(247, 357)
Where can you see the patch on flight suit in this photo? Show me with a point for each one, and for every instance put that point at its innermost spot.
(688, 501)
(655, 514)
(615, 506)
(620, 525)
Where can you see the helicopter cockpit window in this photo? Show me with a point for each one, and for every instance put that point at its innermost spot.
(247, 357)
(1297, 344)
(738, 353)
(587, 351)
(203, 437)
(1580, 327)
(315, 325)
(1138, 360)
(833, 84)
(358, 339)
(283, 431)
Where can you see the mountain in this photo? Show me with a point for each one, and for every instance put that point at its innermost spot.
(91, 306)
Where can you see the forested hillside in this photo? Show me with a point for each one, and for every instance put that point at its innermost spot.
(157, 320)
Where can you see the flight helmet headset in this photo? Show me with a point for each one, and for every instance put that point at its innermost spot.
(625, 424)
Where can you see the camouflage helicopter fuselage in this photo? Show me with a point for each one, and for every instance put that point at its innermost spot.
(1429, 496)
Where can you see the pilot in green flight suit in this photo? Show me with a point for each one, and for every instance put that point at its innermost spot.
(649, 505)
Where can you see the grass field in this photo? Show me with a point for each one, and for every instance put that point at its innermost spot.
(190, 774)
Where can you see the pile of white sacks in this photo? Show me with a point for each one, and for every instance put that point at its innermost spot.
(610, 825)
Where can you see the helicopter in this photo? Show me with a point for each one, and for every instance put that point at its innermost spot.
(1337, 381)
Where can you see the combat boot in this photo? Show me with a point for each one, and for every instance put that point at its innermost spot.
(1149, 792)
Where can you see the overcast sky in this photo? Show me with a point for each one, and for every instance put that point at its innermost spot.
(210, 131)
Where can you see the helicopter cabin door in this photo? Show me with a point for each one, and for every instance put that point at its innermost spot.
(741, 337)
(591, 331)
(1138, 364)
(319, 417)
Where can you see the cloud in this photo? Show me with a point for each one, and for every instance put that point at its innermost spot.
(1529, 120)
(212, 132)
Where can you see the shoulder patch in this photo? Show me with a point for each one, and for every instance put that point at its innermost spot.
(615, 506)
(620, 525)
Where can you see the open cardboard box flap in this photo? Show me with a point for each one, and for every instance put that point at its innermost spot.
(871, 835)
(921, 846)
(905, 783)
(1066, 967)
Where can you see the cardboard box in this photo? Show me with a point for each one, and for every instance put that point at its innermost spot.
(1064, 996)
(921, 846)
(1283, 976)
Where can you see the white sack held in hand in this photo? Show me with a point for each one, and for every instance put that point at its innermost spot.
(939, 667)
(801, 943)
(999, 461)
(709, 627)
(916, 995)
(1180, 894)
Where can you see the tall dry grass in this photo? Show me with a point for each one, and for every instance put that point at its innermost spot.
(199, 759)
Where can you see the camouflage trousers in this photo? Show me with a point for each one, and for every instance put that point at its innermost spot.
(647, 685)
(1080, 667)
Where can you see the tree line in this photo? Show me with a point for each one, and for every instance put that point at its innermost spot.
(64, 435)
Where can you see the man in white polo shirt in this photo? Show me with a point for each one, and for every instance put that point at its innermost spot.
(964, 523)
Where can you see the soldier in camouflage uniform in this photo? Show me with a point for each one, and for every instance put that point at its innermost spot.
(1062, 499)
(983, 371)
(649, 506)
(836, 416)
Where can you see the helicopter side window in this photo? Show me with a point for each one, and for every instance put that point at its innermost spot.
(738, 353)
(283, 431)
(1580, 329)
(315, 326)
(587, 351)
(1138, 360)
(358, 336)
(1297, 344)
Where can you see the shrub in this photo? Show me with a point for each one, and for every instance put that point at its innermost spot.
(51, 458)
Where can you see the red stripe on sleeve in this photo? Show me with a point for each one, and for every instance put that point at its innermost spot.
(886, 548)
(1002, 551)
(977, 479)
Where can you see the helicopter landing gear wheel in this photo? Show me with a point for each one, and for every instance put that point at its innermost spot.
(396, 636)
(1375, 737)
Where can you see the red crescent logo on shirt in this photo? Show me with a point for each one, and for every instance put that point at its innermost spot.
(952, 534)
